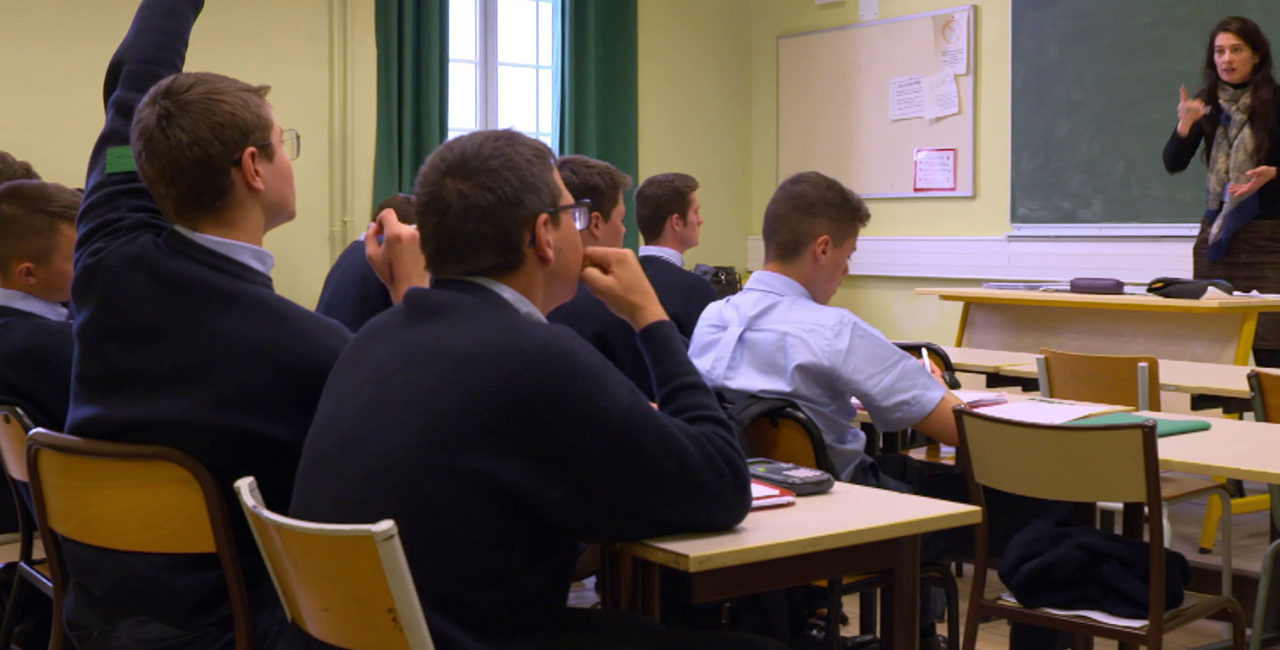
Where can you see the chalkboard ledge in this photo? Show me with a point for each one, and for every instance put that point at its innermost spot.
(1126, 230)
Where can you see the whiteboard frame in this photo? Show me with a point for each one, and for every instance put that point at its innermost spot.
(963, 171)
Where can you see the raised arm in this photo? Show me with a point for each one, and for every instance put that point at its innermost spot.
(115, 199)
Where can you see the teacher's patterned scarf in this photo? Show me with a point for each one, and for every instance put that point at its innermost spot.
(1233, 153)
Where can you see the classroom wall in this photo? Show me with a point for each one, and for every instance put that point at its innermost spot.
(695, 80)
(318, 56)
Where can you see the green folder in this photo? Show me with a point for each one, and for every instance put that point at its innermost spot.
(1163, 427)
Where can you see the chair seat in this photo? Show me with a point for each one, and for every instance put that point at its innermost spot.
(1195, 606)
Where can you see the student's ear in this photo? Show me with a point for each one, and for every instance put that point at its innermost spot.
(248, 169)
(25, 273)
(597, 224)
(544, 238)
(675, 223)
(822, 246)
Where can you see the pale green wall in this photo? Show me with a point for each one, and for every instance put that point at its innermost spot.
(51, 107)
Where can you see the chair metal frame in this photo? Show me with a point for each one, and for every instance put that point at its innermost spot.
(1263, 402)
(1048, 458)
(121, 510)
(387, 615)
(14, 427)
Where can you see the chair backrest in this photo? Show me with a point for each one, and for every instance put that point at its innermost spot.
(1265, 388)
(937, 355)
(130, 497)
(1102, 378)
(348, 585)
(785, 432)
(1065, 463)
(14, 426)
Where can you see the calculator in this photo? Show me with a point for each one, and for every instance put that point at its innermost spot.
(797, 478)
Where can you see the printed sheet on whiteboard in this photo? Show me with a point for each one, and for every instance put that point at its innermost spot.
(935, 170)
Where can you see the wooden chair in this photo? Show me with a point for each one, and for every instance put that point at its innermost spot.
(28, 571)
(348, 585)
(1135, 381)
(1122, 466)
(129, 497)
(788, 434)
(1265, 389)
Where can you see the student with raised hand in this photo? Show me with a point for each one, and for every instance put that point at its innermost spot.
(37, 238)
(180, 337)
(1236, 114)
(353, 293)
(497, 441)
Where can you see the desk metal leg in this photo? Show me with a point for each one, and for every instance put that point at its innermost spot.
(900, 606)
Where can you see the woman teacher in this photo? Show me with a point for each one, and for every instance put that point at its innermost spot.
(1236, 115)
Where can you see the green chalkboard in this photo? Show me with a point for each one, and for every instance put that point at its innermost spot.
(1095, 88)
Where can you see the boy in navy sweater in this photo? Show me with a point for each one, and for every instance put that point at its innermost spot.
(37, 238)
(353, 293)
(180, 337)
(497, 441)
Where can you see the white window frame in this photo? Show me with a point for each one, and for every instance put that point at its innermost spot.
(486, 67)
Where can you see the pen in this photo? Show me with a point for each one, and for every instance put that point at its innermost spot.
(924, 358)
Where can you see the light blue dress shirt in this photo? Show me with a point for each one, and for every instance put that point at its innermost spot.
(772, 339)
(254, 257)
(517, 299)
(26, 302)
(669, 254)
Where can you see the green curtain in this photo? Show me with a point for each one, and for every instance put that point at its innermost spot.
(597, 79)
(413, 60)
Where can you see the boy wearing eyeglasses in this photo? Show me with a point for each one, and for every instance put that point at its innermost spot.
(181, 339)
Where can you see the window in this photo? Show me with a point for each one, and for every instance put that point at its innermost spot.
(500, 73)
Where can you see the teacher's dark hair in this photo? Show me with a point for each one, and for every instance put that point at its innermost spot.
(1263, 84)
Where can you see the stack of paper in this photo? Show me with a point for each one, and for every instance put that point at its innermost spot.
(1043, 410)
(979, 398)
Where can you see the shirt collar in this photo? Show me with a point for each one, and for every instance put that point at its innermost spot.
(669, 254)
(31, 304)
(254, 257)
(776, 283)
(517, 300)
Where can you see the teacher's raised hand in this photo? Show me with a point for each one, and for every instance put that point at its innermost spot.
(1258, 176)
(1190, 110)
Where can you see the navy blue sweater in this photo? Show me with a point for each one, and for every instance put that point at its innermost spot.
(35, 366)
(683, 295)
(352, 292)
(497, 443)
(178, 345)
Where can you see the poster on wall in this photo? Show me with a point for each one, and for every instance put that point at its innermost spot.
(935, 170)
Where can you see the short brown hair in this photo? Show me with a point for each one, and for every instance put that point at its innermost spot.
(404, 205)
(478, 197)
(31, 214)
(594, 180)
(805, 207)
(187, 131)
(12, 169)
(660, 197)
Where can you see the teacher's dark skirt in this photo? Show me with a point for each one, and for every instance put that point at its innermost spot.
(1252, 262)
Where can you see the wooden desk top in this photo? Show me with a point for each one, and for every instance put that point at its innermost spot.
(986, 361)
(1241, 449)
(1195, 377)
(1098, 301)
(846, 516)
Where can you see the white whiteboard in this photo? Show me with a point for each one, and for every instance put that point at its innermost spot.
(834, 102)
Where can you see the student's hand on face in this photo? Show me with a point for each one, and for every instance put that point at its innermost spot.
(1258, 176)
(614, 276)
(395, 253)
(1190, 110)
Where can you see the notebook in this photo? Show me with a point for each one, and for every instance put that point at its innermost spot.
(764, 495)
(1164, 427)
